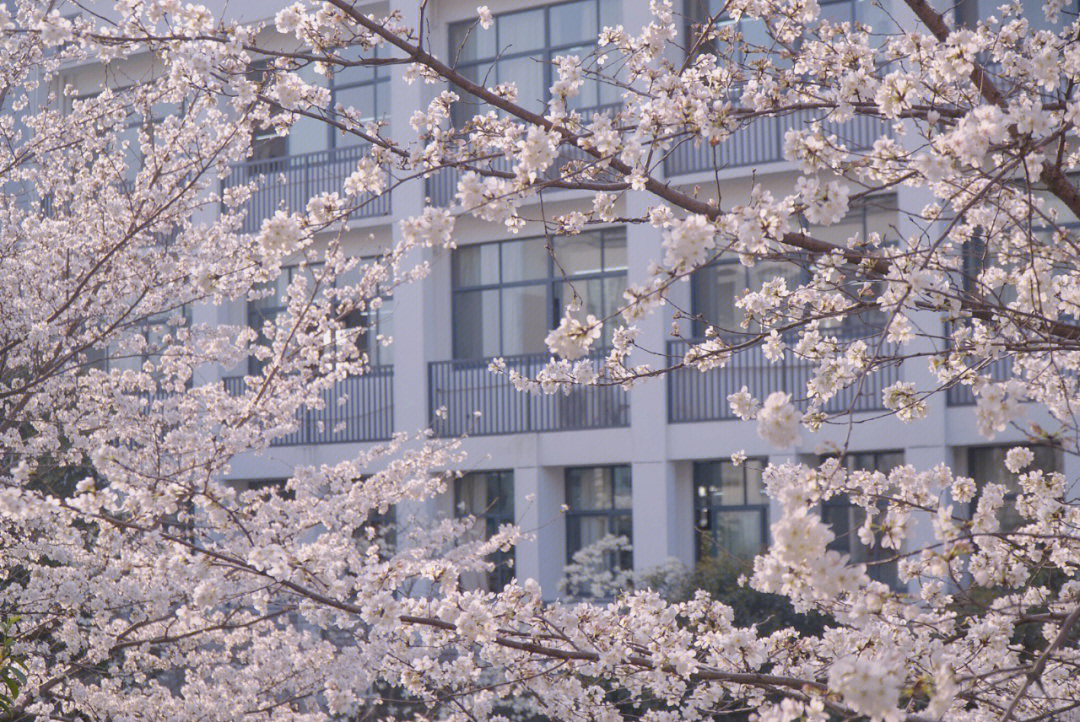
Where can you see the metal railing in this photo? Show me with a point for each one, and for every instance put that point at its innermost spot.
(441, 186)
(290, 182)
(702, 395)
(367, 414)
(464, 388)
(762, 141)
(962, 395)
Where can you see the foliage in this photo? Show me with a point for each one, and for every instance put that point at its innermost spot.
(150, 587)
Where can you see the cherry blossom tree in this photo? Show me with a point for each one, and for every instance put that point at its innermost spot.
(147, 588)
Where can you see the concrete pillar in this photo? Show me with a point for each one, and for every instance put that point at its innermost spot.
(921, 532)
(539, 494)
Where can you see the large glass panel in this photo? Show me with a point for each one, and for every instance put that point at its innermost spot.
(739, 532)
(468, 42)
(583, 531)
(588, 489)
(521, 32)
(755, 485)
(621, 477)
(476, 324)
(573, 22)
(476, 265)
(529, 76)
(524, 322)
(524, 260)
(581, 254)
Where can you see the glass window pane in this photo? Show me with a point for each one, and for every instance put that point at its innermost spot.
(500, 494)
(476, 324)
(583, 531)
(738, 533)
(524, 260)
(576, 255)
(573, 23)
(621, 479)
(731, 492)
(528, 74)
(468, 43)
(615, 252)
(755, 485)
(476, 265)
(525, 323)
(588, 488)
(521, 31)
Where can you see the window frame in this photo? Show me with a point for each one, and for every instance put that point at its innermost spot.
(380, 76)
(610, 512)
(876, 568)
(503, 572)
(701, 505)
(252, 310)
(544, 55)
(551, 281)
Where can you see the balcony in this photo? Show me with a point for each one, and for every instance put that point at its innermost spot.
(702, 396)
(366, 415)
(962, 395)
(441, 186)
(467, 387)
(762, 142)
(290, 181)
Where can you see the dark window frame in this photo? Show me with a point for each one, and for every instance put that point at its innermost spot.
(503, 572)
(702, 506)
(263, 313)
(380, 75)
(610, 513)
(551, 280)
(487, 65)
(882, 572)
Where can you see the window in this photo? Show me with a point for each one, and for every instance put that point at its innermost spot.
(986, 465)
(362, 326)
(366, 89)
(599, 504)
(269, 307)
(488, 496)
(365, 326)
(730, 509)
(715, 287)
(521, 47)
(969, 12)
(159, 332)
(845, 519)
(266, 144)
(507, 295)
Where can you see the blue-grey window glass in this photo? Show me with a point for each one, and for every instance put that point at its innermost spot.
(731, 510)
(365, 89)
(507, 295)
(986, 465)
(845, 519)
(361, 326)
(521, 47)
(599, 505)
(716, 286)
(488, 497)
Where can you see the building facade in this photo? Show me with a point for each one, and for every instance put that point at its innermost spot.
(652, 463)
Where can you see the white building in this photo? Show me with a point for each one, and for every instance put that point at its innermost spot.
(651, 463)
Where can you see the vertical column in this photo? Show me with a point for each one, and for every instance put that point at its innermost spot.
(413, 342)
(539, 493)
(657, 505)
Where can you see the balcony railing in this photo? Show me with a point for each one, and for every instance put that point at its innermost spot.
(441, 186)
(962, 395)
(762, 141)
(290, 181)
(367, 413)
(464, 388)
(702, 396)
